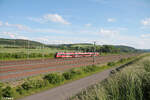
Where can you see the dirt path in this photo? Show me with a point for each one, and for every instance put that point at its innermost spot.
(67, 90)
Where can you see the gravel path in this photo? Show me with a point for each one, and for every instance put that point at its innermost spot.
(67, 90)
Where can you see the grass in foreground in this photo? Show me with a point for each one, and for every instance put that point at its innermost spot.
(132, 83)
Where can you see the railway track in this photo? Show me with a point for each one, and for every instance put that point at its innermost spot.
(13, 70)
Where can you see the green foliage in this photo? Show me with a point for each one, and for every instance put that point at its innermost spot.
(72, 73)
(67, 75)
(20, 90)
(146, 86)
(122, 60)
(146, 80)
(26, 86)
(90, 69)
(111, 64)
(54, 78)
(147, 65)
(19, 42)
(7, 92)
(1, 90)
(22, 55)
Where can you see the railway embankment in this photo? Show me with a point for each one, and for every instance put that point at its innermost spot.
(34, 85)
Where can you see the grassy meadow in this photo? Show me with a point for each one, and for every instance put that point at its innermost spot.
(24, 53)
(25, 50)
(131, 83)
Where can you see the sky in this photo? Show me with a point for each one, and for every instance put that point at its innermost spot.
(111, 22)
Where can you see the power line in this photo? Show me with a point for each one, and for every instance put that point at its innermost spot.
(94, 52)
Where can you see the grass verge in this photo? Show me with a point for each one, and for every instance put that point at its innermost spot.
(131, 83)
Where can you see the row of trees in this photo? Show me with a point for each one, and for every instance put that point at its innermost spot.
(102, 49)
(21, 55)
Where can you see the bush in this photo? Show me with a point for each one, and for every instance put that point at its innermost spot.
(20, 55)
(90, 69)
(19, 90)
(7, 92)
(67, 75)
(26, 86)
(122, 60)
(54, 78)
(111, 64)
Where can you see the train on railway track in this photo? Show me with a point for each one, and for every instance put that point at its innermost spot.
(75, 54)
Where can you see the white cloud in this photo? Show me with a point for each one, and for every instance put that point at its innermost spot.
(39, 20)
(18, 26)
(145, 35)
(7, 24)
(111, 20)
(88, 25)
(12, 35)
(1, 23)
(22, 27)
(146, 22)
(48, 31)
(9, 34)
(108, 32)
(56, 18)
(28, 29)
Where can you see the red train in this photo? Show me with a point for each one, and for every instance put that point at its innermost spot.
(75, 54)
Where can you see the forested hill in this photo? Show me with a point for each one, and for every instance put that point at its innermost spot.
(99, 48)
(86, 47)
(19, 43)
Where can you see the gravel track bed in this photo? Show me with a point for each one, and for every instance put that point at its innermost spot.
(20, 70)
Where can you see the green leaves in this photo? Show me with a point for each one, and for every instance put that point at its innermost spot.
(54, 78)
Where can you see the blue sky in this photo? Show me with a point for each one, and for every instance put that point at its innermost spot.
(118, 22)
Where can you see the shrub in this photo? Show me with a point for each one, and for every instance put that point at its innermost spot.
(26, 86)
(122, 60)
(54, 78)
(90, 69)
(111, 64)
(19, 90)
(67, 75)
(76, 71)
(7, 92)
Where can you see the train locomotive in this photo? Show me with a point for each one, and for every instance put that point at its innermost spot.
(75, 54)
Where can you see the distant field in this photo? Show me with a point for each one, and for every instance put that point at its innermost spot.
(16, 50)
(80, 45)
(24, 53)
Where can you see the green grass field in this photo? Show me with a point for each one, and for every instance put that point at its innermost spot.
(23, 53)
(16, 50)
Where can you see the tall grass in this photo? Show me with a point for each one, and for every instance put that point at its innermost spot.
(132, 83)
